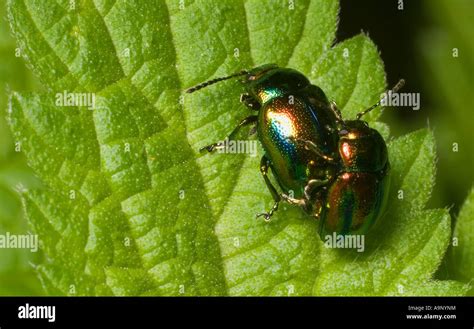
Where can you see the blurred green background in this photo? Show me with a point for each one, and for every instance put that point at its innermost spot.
(416, 43)
(16, 272)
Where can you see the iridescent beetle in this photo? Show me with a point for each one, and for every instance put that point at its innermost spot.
(336, 170)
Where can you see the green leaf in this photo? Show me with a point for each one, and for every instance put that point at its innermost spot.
(462, 252)
(131, 208)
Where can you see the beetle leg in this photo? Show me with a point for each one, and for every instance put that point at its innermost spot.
(310, 206)
(264, 165)
(250, 102)
(293, 201)
(308, 189)
(341, 124)
(313, 184)
(336, 111)
(253, 130)
(311, 146)
(218, 145)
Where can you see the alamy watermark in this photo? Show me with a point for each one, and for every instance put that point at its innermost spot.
(75, 99)
(237, 146)
(347, 241)
(19, 241)
(28, 311)
(401, 99)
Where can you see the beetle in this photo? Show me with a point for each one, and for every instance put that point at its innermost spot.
(337, 170)
(288, 106)
(356, 197)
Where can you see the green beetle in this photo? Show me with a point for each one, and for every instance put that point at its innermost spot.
(355, 198)
(336, 170)
(288, 106)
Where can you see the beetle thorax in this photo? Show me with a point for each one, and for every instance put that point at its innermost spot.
(275, 83)
(362, 149)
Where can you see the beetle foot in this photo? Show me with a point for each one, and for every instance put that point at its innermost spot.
(211, 148)
(267, 215)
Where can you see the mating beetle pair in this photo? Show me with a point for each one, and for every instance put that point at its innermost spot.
(337, 170)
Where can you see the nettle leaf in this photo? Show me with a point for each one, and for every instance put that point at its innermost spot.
(462, 252)
(130, 207)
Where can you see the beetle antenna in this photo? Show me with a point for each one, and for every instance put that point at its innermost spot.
(396, 88)
(210, 82)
